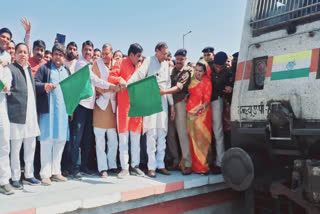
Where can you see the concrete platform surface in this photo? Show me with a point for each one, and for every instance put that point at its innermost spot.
(94, 191)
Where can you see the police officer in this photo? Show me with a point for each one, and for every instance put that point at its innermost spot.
(208, 54)
(180, 79)
(221, 80)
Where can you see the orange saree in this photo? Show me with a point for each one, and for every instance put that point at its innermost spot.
(199, 126)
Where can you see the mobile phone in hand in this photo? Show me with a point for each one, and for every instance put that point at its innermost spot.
(61, 38)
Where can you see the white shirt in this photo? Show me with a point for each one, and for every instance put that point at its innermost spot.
(95, 81)
(5, 56)
(5, 77)
(70, 65)
(31, 127)
(152, 66)
(104, 99)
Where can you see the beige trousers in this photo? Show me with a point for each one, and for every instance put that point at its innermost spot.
(179, 126)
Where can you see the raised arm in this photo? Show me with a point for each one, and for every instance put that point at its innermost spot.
(26, 24)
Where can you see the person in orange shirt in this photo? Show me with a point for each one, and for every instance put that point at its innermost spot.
(37, 60)
(126, 125)
(38, 50)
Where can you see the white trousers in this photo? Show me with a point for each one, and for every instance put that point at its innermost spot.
(217, 126)
(29, 145)
(109, 160)
(124, 148)
(51, 154)
(5, 171)
(156, 148)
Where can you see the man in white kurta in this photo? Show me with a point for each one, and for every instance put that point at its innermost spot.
(81, 126)
(104, 117)
(23, 133)
(5, 173)
(156, 125)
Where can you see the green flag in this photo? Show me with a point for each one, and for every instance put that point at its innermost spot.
(1, 85)
(145, 97)
(75, 88)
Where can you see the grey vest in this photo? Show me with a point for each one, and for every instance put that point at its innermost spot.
(17, 100)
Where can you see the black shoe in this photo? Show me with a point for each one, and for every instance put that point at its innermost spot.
(137, 172)
(113, 171)
(31, 181)
(17, 185)
(66, 173)
(77, 176)
(216, 170)
(87, 172)
(6, 189)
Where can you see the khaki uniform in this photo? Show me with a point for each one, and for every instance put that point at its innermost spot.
(177, 129)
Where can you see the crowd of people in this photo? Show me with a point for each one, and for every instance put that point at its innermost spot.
(194, 96)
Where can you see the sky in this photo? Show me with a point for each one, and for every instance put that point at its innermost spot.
(216, 23)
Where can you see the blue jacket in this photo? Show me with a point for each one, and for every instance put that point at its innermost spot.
(42, 77)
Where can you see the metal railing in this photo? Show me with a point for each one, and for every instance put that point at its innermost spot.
(267, 13)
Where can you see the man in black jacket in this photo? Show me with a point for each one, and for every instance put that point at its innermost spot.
(221, 84)
(53, 118)
(22, 114)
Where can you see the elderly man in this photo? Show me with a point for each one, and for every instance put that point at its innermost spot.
(81, 124)
(53, 118)
(104, 118)
(22, 114)
(128, 127)
(180, 80)
(221, 83)
(5, 38)
(71, 57)
(156, 125)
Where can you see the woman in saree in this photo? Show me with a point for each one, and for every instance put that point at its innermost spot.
(199, 117)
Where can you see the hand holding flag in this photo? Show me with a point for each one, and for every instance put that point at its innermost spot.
(2, 86)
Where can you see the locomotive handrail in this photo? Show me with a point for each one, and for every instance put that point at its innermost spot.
(272, 12)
